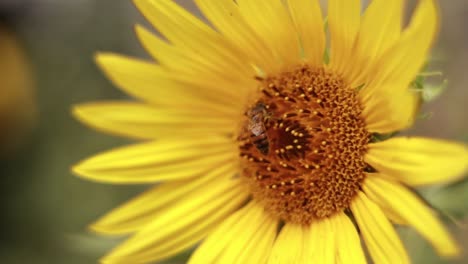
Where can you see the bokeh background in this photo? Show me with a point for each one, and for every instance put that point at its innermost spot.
(51, 43)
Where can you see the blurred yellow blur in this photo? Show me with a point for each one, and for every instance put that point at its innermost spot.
(17, 100)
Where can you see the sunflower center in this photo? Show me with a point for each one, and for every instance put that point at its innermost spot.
(302, 144)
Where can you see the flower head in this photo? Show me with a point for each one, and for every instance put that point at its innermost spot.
(262, 151)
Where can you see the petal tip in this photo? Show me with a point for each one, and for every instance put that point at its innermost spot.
(102, 58)
(79, 111)
(101, 229)
(139, 29)
(139, 3)
(85, 170)
(96, 228)
(80, 170)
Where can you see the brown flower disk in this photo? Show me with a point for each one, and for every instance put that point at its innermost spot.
(302, 145)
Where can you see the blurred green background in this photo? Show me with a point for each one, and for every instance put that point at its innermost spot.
(45, 209)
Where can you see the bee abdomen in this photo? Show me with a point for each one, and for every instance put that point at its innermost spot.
(262, 144)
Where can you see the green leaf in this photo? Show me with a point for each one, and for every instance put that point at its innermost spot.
(381, 137)
(418, 83)
(425, 115)
(432, 92)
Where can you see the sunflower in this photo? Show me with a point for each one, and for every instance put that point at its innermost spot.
(265, 143)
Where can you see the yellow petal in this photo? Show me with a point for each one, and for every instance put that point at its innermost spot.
(419, 161)
(394, 114)
(343, 22)
(320, 242)
(308, 19)
(397, 68)
(215, 243)
(253, 243)
(259, 247)
(154, 84)
(137, 120)
(171, 159)
(412, 210)
(183, 224)
(402, 62)
(226, 17)
(136, 213)
(187, 32)
(289, 245)
(165, 53)
(348, 243)
(232, 237)
(271, 21)
(382, 241)
(393, 216)
(380, 28)
(193, 68)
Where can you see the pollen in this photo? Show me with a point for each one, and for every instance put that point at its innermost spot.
(306, 138)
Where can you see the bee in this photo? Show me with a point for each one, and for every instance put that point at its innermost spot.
(258, 116)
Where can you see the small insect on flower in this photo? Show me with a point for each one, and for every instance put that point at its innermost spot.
(258, 117)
